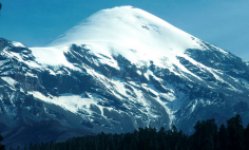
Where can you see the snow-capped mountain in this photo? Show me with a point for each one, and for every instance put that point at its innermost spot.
(119, 70)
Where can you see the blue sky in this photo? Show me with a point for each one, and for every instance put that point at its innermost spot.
(224, 23)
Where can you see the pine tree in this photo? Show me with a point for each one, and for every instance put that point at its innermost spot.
(205, 135)
(222, 138)
(1, 145)
(235, 133)
(246, 137)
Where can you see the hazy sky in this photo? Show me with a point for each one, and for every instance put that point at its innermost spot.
(224, 23)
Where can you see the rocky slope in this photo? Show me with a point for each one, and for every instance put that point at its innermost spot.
(121, 69)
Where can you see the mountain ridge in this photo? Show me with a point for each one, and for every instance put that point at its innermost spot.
(70, 89)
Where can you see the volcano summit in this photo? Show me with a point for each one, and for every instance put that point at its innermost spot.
(120, 69)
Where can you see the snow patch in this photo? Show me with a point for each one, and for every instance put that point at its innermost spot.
(72, 103)
(17, 44)
(53, 56)
(10, 81)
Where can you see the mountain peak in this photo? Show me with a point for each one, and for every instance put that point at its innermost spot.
(119, 70)
(130, 32)
(124, 24)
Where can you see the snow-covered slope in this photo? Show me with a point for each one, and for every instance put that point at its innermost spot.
(130, 32)
(120, 69)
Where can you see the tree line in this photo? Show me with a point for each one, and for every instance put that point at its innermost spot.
(1, 145)
(207, 135)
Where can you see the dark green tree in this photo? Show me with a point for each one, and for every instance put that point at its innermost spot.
(1, 145)
(235, 133)
(222, 138)
(246, 137)
(205, 135)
